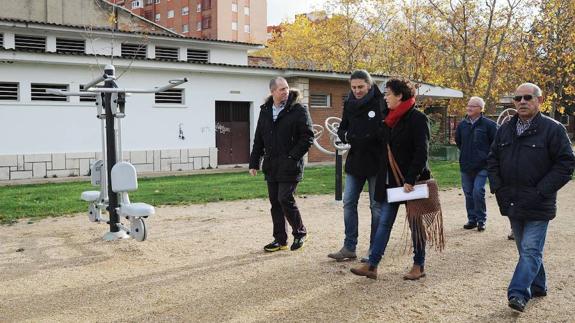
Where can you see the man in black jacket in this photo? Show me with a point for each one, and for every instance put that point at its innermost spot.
(360, 127)
(474, 136)
(530, 160)
(283, 136)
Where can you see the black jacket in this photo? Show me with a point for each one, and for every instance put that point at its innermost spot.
(409, 142)
(474, 141)
(526, 171)
(282, 143)
(360, 127)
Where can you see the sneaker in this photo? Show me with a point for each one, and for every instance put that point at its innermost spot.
(298, 243)
(275, 246)
(536, 292)
(343, 254)
(517, 303)
(470, 225)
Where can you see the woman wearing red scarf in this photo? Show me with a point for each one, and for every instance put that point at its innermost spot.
(406, 132)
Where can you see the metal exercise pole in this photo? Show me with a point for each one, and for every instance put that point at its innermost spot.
(111, 156)
(338, 175)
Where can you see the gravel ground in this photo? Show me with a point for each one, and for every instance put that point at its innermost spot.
(206, 263)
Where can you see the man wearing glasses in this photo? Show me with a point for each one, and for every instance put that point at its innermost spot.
(530, 160)
(474, 136)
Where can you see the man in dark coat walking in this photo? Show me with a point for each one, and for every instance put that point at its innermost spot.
(360, 127)
(283, 136)
(530, 160)
(474, 136)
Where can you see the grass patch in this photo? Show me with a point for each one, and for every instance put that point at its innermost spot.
(44, 200)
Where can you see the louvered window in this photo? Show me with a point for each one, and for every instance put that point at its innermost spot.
(86, 98)
(319, 100)
(170, 53)
(1, 40)
(8, 91)
(30, 42)
(171, 96)
(70, 45)
(195, 55)
(133, 51)
(39, 92)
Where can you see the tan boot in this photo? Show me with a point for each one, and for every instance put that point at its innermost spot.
(415, 273)
(366, 270)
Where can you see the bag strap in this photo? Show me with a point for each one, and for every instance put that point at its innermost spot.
(399, 179)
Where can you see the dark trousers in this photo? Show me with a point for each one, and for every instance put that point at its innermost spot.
(284, 207)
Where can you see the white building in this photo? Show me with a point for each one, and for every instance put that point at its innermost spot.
(216, 111)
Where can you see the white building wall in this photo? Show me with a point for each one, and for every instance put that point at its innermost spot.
(228, 56)
(45, 139)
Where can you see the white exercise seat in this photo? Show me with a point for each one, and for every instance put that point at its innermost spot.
(96, 199)
(90, 196)
(124, 180)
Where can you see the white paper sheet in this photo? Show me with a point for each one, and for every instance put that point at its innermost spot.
(397, 194)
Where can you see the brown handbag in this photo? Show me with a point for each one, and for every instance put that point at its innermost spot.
(423, 215)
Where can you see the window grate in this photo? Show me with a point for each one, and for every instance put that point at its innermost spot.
(195, 55)
(8, 91)
(70, 45)
(171, 96)
(319, 100)
(39, 92)
(30, 42)
(133, 51)
(170, 53)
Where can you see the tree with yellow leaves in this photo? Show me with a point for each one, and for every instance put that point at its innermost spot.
(552, 41)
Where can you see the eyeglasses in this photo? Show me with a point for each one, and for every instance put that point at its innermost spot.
(526, 97)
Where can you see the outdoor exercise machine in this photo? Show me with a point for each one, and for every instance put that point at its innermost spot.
(505, 116)
(116, 178)
(332, 125)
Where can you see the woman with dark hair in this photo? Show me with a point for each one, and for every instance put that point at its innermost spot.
(406, 135)
(360, 127)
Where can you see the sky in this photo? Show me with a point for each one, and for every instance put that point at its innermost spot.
(280, 10)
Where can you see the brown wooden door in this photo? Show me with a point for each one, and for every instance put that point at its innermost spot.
(233, 132)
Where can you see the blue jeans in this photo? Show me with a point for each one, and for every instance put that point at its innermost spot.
(353, 188)
(529, 273)
(387, 218)
(474, 188)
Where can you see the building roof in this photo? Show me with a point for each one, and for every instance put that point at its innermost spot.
(425, 89)
(158, 34)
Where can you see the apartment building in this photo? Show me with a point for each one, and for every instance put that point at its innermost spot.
(233, 20)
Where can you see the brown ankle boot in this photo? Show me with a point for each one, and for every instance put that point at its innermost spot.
(366, 270)
(415, 273)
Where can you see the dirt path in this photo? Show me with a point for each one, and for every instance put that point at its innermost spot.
(205, 263)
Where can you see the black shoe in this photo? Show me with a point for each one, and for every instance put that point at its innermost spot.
(517, 303)
(298, 243)
(538, 292)
(511, 236)
(481, 227)
(470, 225)
(275, 246)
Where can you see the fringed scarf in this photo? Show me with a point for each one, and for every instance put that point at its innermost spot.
(396, 114)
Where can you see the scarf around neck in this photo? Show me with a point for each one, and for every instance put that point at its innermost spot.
(355, 103)
(396, 114)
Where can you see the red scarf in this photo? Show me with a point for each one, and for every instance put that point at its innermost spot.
(396, 114)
